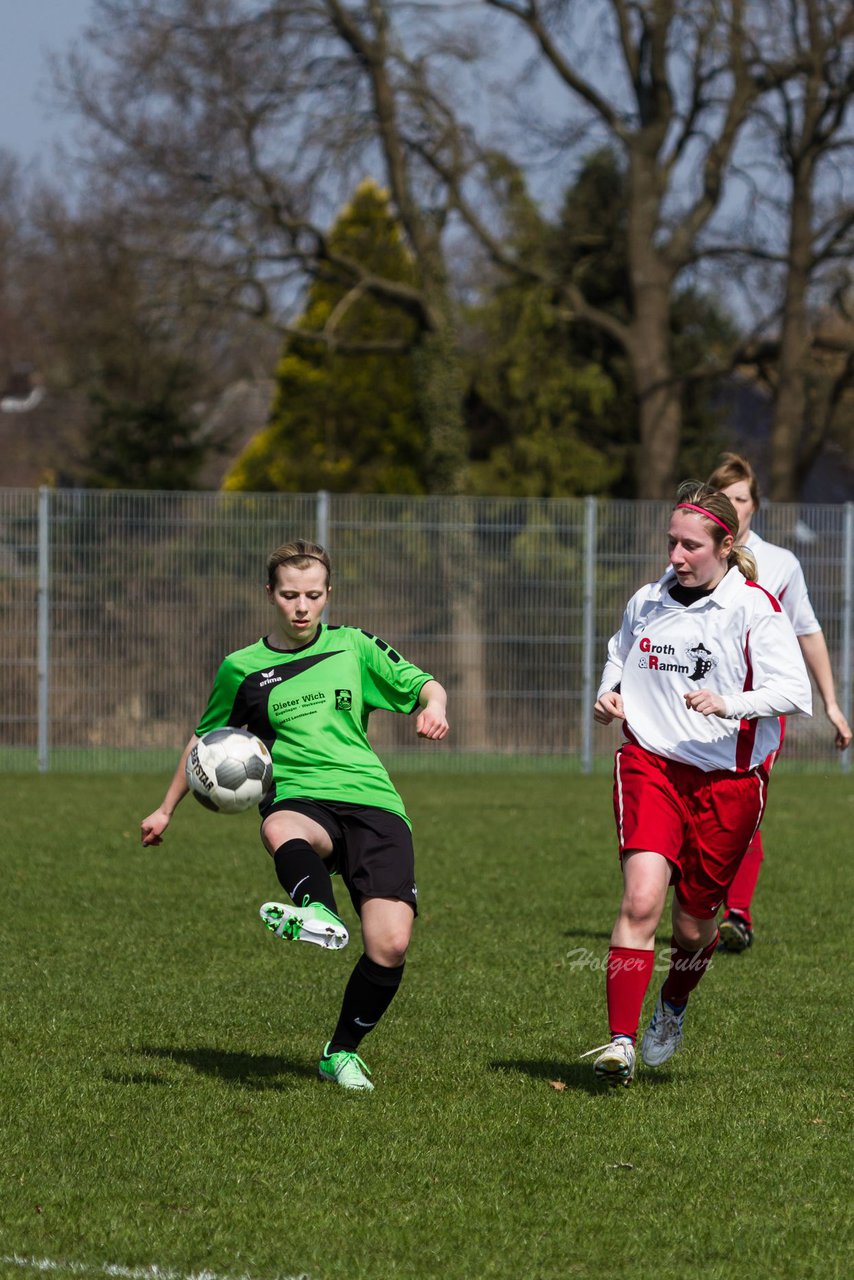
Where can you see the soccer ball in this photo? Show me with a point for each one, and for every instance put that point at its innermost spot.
(229, 770)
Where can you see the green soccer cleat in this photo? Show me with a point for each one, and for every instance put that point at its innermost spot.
(345, 1068)
(311, 923)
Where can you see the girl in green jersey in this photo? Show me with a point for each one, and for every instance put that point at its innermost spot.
(307, 690)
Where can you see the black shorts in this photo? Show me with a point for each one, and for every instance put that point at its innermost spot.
(372, 849)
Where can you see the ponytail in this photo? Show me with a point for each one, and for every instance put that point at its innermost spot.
(745, 561)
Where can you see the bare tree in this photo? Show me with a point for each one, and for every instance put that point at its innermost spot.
(806, 125)
(240, 128)
(671, 84)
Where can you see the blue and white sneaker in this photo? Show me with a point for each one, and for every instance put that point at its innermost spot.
(616, 1061)
(663, 1036)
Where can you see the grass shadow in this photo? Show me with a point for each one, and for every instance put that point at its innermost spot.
(246, 1070)
(573, 1075)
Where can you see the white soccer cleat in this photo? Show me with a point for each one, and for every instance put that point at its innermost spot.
(311, 923)
(616, 1061)
(663, 1036)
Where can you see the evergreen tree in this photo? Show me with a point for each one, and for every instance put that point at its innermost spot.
(152, 443)
(541, 404)
(552, 407)
(591, 246)
(534, 410)
(346, 423)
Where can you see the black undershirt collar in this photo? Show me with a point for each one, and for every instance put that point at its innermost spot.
(688, 595)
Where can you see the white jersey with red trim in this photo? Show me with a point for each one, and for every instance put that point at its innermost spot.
(736, 642)
(780, 573)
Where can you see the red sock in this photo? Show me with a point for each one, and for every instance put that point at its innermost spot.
(743, 887)
(629, 972)
(686, 970)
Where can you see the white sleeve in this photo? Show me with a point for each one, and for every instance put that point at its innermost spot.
(612, 674)
(781, 686)
(618, 647)
(796, 603)
(758, 704)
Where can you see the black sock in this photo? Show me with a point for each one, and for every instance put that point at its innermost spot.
(368, 994)
(302, 874)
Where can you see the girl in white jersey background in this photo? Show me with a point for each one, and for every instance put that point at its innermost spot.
(703, 666)
(779, 572)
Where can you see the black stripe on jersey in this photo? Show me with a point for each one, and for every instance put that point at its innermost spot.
(287, 670)
(250, 703)
(381, 644)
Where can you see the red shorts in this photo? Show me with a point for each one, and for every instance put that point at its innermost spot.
(700, 822)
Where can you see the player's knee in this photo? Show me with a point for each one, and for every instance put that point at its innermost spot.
(641, 907)
(392, 949)
(693, 933)
(388, 946)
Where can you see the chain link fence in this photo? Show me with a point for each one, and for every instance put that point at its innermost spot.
(118, 606)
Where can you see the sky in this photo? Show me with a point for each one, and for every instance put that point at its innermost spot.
(29, 30)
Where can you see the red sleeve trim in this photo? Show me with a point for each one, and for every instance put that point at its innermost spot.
(774, 601)
(747, 728)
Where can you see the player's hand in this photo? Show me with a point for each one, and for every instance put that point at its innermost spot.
(432, 723)
(609, 707)
(153, 826)
(706, 702)
(841, 725)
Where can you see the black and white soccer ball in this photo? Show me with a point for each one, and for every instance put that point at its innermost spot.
(229, 770)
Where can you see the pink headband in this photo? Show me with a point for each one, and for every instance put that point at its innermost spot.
(707, 514)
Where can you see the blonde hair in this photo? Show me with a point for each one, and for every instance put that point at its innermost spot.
(732, 469)
(300, 554)
(721, 519)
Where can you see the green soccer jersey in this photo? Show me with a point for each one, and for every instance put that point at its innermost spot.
(311, 707)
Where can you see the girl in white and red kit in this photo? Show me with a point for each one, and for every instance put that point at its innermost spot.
(781, 574)
(701, 670)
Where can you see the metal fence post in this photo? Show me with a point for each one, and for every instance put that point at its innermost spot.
(847, 625)
(588, 634)
(321, 524)
(43, 632)
(322, 517)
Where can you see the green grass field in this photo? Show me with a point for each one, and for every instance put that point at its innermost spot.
(159, 1108)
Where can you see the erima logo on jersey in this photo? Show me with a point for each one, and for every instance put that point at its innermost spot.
(269, 677)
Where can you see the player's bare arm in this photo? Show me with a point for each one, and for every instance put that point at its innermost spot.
(432, 719)
(843, 729)
(814, 649)
(152, 827)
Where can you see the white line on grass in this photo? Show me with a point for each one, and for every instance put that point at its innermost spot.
(124, 1273)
